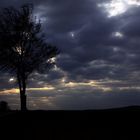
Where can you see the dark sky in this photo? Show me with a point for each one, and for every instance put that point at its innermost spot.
(100, 52)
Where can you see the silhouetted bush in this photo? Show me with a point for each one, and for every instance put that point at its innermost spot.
(4, 106)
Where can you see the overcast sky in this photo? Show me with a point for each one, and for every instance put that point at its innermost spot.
(98, 66)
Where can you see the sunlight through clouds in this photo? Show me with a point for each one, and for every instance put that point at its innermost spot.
(118, 7)
(9, 91)
(16, 90)
(11, 80)
(133, 2)
(72, 34)
(115, 7)
(99, 57)
(118, 34)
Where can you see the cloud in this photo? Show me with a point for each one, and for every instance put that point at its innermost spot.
(96, 51)
(76, 99)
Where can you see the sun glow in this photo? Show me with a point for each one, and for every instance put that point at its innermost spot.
(118, 7)
(10, 91)
(16, 90)
(133, 2)
(41, 89)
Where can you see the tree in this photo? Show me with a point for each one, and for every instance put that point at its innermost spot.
(23, 48)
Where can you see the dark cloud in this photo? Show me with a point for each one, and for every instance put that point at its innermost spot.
(93, 47)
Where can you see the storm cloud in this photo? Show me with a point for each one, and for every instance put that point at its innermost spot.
(95, 47)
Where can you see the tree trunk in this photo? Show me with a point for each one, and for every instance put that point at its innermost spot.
(22, 88)
(23, 101)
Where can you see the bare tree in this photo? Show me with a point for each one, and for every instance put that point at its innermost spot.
(23, 48)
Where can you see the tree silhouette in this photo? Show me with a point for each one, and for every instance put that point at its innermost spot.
(4, 106)
(23, 48)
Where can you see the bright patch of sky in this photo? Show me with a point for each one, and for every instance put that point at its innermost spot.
(72, 34)
(11, 79)
(118, 34)
(118, 7)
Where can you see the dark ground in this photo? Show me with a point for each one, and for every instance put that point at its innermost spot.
(115, 124)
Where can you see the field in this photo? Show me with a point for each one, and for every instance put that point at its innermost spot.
(110, 124)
